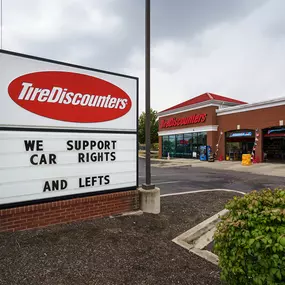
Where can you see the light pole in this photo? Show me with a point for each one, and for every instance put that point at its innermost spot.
(147, 185)
(1, 23)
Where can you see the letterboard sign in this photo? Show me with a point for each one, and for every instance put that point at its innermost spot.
(65, 130)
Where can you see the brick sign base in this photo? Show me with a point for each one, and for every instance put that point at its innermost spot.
(45, 214)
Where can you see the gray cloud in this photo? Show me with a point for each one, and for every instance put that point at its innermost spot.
(187, 18)
(230, 47)
(170, 19)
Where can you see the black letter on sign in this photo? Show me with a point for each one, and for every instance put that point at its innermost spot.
(32, 159)
(100, 180)
(80, 183)
(40, 146)
(55, 185)
(52, 158)
(93, 144)
(113, 156)
(30, 145)
(107, 179)
(47, 187)
(63, 184)
(85, 144)
(69, 145)
(114, 144)
(81, 157)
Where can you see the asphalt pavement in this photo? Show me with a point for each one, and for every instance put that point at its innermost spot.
(187, 178)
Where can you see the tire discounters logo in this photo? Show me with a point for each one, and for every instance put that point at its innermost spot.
(176, 122)
(70, 97)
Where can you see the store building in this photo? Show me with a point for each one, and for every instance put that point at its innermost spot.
(228, 127)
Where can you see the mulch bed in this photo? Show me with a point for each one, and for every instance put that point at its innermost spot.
(123, 250)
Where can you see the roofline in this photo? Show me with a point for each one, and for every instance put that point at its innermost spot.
(251, 106)
(209, 103)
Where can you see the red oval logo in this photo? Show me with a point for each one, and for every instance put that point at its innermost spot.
(70, 97)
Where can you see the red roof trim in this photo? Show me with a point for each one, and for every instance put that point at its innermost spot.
(204, 98)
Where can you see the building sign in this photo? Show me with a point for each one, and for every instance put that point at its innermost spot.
(175, 122)
(64, 130)
(241, 134)
(69, 96)
(274, 131)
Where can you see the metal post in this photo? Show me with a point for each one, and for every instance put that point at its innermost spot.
(1, 23)
(147, 185)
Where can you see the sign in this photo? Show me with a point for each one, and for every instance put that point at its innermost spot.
(42, 93)
(279, 130)
(69, 97)
(241, 134)
(176, 122)
(37, 165)
(65, 130)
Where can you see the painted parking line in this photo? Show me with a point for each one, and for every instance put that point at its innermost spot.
(162, 175)
(166, 182)
(201, 191)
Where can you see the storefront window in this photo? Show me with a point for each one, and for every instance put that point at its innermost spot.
(179, 146)
(165, 146)
(234, 150)
(195, 138)
(200, 139)
(203, 138)
(184, 145)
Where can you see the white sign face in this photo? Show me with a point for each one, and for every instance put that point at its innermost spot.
(39, 165)
(64, 130)
(37, 93)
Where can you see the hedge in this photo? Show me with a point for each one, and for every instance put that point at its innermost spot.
(250, 239)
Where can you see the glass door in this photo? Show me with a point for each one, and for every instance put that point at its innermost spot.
(196, 151)
(188, 138)
(172, 146)
(179, 145)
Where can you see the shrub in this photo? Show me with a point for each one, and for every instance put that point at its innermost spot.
(155, 146)
(250, 239)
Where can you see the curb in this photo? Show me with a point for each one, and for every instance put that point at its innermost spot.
(132, 213)
(198, 237)
(195, 239)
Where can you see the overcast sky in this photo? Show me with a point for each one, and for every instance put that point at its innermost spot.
(235, 48)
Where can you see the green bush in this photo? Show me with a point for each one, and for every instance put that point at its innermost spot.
(250, 239)
(155, 146)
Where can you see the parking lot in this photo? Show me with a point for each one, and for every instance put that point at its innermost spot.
(187, 178)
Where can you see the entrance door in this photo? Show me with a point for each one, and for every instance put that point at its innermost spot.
(247, 147)
(274, 144)
(239, 142)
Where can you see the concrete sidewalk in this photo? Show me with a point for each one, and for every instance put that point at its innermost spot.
(273, 169)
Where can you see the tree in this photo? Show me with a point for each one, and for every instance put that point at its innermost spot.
(153, 127)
